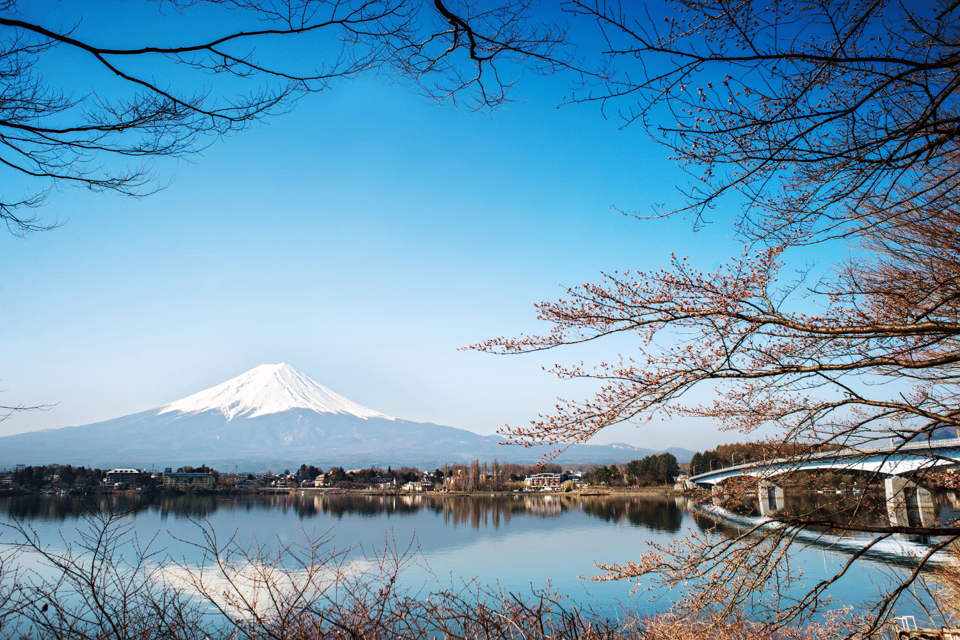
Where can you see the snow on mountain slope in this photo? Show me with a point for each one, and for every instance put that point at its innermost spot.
(267, 389)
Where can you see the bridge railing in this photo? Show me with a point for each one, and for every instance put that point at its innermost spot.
(913, 446)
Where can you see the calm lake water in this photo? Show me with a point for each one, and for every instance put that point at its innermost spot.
(517, 541)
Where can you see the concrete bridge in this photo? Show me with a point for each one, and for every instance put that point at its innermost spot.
(890, 460)
(908, 504)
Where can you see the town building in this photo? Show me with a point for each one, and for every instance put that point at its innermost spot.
(121, 476)
(544, 481)
(188, 479)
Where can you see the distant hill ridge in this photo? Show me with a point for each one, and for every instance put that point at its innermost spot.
(276, 416)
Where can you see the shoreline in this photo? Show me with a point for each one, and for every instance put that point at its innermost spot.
(617, 492)
(662, 491)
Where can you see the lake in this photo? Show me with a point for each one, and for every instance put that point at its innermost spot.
(515, 541)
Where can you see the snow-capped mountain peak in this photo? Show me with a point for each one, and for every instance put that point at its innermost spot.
(269, 388)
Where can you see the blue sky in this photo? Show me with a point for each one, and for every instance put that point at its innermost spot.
(363, 238)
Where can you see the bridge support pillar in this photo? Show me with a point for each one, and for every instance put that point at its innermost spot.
(908, 504)
(770, 497)
(720, 496)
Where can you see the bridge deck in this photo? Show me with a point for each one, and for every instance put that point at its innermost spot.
(890, 460)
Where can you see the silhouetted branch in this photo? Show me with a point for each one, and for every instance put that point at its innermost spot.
(51, 136)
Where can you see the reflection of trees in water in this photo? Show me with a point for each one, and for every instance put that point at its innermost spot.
(340, 505)
(488, 511)
(199, 506)
(304, 506)
(482, 511)
(459, 510)
(653, 512)
(863, 509)
(188, 506)
(854, 508)
(35, 507)
(704, 523)
(857, 509)
(657, 513)
(946, 505)
(477, 511)
(192, 506)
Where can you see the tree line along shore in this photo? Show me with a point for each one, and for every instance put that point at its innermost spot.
(476, 477)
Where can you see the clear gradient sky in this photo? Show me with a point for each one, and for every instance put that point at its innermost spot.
(363, 238)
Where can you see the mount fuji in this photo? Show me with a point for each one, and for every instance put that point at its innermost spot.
(269, 388)
(274, 416)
